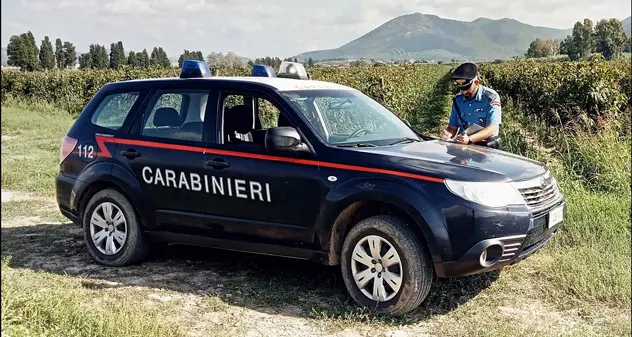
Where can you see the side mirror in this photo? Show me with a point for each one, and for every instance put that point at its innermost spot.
(284, 139)
(406, 122)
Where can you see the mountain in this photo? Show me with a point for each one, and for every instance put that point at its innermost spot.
(627, 25)
(422, 36)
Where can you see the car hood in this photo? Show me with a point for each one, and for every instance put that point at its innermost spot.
(456, 161)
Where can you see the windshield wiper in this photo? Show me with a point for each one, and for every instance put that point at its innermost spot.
(358, 145)
(405, 140)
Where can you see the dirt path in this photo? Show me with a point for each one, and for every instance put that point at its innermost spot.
(227, 293)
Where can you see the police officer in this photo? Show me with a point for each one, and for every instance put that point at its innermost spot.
(474, 104)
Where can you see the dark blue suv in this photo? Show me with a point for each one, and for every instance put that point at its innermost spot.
(282, 165)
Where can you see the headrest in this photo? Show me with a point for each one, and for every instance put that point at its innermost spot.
(167, 117)
(240, 118)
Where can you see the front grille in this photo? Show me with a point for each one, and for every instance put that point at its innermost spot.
(512, 245)
(540, 191)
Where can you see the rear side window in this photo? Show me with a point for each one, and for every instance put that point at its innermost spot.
(113, 110)
(177, 115)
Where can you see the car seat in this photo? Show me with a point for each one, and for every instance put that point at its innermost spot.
(238, 124)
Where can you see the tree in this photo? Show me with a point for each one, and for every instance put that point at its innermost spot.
(70, 55)
(628, 45)
(17, 51)
(582, 41)
(310, 62)
(535, 49)
(122, 58)
(543, 48)
(143, 59)
(610, 38)
(233, 60)
(46, 56)
(98, 57)
(215, 60)
(117, 55)
(132, 59)
(59, 53)
(22, 52)
(564, 45)
(551, 47)
(159, 58)
(270, 61)
(187, 55)
(85, 61)
(154, 61)
(230, 60)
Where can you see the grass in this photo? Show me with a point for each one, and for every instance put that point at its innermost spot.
(577, 285)
(590, 258)
(31, 144)
(43, 304)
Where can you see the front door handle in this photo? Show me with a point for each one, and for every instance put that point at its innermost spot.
(217, 163)
(130, 153)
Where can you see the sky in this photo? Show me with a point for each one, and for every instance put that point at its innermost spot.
(255, 28)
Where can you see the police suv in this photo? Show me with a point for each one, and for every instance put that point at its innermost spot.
(279, 164)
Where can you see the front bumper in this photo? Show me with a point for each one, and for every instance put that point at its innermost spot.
(503, 251)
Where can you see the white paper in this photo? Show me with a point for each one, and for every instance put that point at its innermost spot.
(474, 128)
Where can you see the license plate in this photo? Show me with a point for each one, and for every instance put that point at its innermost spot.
(556, 216)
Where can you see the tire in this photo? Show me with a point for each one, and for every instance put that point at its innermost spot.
(414, 266)
(130, 247)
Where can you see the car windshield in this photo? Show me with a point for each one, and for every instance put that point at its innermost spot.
(350, 118)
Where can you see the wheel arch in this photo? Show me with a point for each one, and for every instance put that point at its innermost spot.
(359, 210)
(121, 180)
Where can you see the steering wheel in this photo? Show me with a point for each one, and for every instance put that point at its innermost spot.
(357, 133)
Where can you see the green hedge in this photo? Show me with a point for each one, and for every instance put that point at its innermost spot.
(564, 93)
(553, 91)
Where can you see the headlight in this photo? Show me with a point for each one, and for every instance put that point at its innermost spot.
(484, 193)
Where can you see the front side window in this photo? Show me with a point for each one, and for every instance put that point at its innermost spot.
(349, 117)
(113, 110)
(176, 115)
(246, 119)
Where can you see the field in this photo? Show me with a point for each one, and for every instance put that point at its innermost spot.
(578, 285)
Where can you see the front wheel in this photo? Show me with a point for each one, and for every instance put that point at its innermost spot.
(384, 266)
(112, 231)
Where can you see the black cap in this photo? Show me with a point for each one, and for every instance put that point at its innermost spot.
(466, 71)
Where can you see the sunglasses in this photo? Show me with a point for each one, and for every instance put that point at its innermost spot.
(463, 84)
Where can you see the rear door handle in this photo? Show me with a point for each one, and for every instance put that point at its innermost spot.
(130, 153)
(217, 164)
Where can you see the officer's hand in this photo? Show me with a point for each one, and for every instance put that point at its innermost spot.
(445, 134)
(462, 139)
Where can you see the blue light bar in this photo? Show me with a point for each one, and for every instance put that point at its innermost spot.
(195, 69)
(263, 71)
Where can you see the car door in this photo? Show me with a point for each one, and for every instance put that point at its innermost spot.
(165, 151)
(255, 195)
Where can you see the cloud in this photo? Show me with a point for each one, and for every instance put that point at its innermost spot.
(254, 28)
(128, 8)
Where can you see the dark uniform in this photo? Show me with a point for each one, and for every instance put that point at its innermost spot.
(483, 108)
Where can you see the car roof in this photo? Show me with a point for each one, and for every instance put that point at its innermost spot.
(276, 83)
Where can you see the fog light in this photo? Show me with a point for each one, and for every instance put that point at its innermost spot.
(491, 255)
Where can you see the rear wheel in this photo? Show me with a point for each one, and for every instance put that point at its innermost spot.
(384, 266)
(112, 231)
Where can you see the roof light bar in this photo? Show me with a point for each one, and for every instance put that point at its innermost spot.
(293, 70)
(263, 71)
(195, 69)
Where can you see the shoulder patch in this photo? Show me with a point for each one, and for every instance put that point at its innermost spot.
(492, 95)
